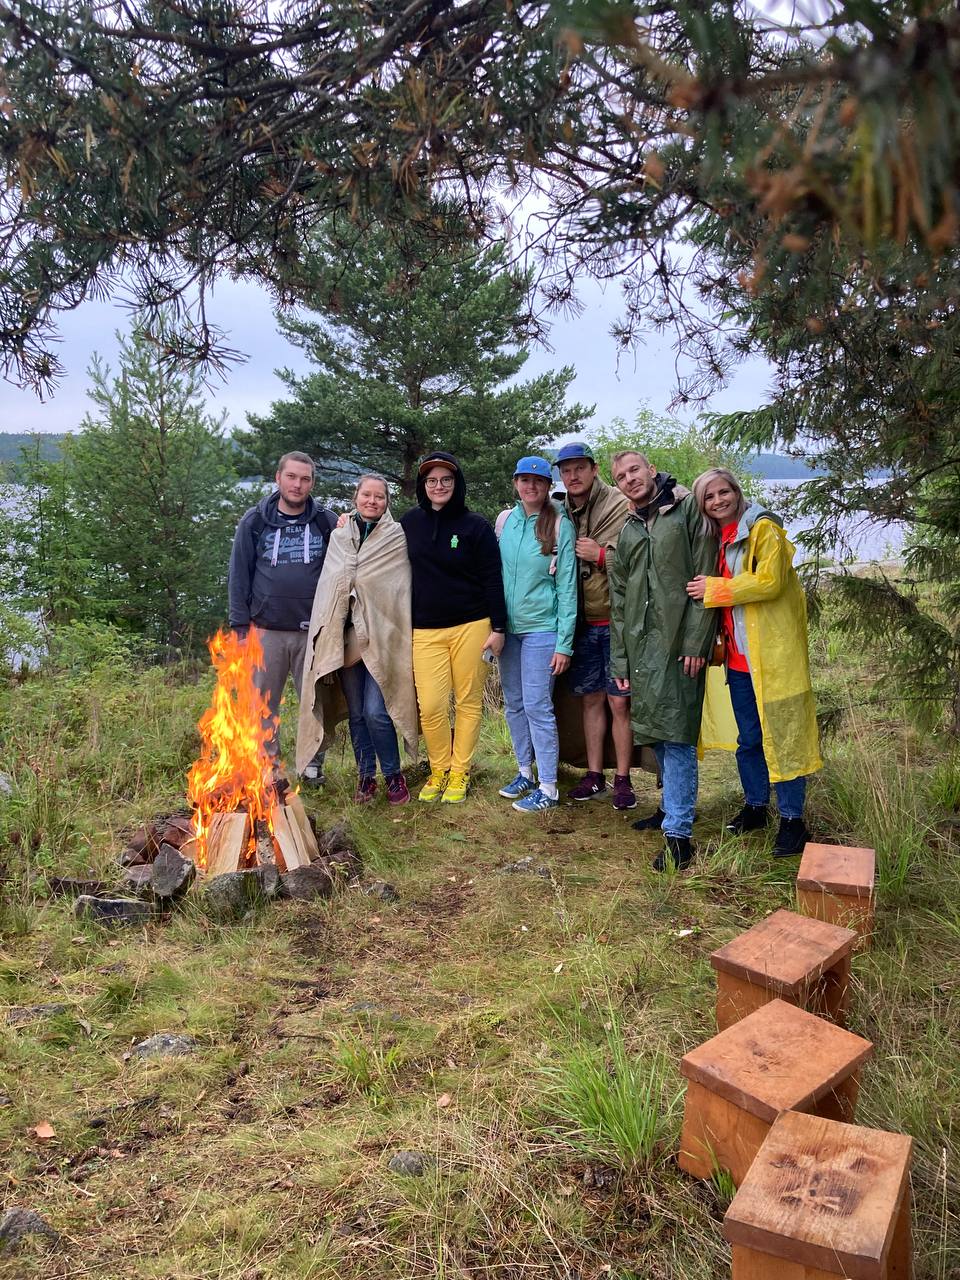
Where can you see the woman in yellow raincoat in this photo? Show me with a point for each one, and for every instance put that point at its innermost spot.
(764, 629)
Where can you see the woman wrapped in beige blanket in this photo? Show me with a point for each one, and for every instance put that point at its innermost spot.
(360, 631)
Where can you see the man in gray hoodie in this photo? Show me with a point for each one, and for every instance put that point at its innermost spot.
(277, 556)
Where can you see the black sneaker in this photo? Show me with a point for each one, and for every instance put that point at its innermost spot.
(752, 817)
(791, 838)
(652, 823)
(679, 849)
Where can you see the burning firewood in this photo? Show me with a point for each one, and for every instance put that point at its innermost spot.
(243, 816)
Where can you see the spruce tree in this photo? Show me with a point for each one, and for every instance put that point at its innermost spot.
(417, 347)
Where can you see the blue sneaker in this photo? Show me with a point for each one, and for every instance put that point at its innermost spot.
(518, 787)
(535, 802)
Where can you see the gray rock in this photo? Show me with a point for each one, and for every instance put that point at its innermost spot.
(230, 896)
(15, 1223)
(5, 1100)
(164, 1045)
(269, 875)
(21, 1014)
(307, 883)
(383, 890)
(171, 874)
(6, 785)
(113, 911)
(412, 1163)
(527, 867)
(136, 878)
(338, 846)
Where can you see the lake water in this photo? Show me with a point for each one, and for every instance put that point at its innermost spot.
(862, 538)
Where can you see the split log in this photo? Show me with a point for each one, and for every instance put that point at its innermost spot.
(227, 843)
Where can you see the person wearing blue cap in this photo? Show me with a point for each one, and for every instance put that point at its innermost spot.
(599, 512)
(539, 568)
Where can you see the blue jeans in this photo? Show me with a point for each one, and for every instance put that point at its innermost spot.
(371, 729)
(528, 700)
(750, 758)
(678, 767)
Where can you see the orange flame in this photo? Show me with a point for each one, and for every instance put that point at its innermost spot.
(233, 770)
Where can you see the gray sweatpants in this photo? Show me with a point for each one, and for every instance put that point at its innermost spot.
(283, 654)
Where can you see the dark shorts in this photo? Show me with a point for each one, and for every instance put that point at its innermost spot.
(589, 670)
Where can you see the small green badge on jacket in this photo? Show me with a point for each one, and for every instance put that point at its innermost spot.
(455, 542)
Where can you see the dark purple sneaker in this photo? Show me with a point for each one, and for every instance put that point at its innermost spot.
(366, 790)
(397, 792)
(623, 797)
(590, 785)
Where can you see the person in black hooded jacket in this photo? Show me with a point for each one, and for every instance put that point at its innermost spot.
(459, 616)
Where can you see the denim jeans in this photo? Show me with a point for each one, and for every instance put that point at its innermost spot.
(750, 758)
(371, 729)
(678, 768)
(528, 702)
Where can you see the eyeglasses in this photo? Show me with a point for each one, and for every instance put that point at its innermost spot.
(439, 482)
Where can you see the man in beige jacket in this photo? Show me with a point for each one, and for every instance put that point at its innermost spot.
(598, 512)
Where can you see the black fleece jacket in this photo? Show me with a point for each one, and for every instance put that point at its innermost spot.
(455, 560)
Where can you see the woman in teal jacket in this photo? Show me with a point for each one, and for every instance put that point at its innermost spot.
(540, 585)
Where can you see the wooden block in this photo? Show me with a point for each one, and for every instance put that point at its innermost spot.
(227, 843)
(837, 883)
(295, 809)
(823, 1199)
(778, 1058)
(288, 838)
(798, 959)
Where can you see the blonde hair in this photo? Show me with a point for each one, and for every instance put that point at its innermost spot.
(703, 483)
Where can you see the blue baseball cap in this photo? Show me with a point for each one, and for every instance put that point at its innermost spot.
(534, 466)
(576, 450)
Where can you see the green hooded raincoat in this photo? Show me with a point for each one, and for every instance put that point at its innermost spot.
(653, 622)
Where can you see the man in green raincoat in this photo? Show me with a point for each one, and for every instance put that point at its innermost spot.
(660, 639)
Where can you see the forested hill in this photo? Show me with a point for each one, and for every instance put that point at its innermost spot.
(11, 443)
(776, 466)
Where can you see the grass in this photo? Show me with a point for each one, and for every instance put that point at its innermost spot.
(522, 1032)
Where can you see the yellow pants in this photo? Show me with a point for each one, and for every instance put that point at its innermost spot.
(445, 658)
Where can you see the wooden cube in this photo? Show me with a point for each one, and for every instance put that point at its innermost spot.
(836, 883)
(778, 1058)
(803, 961)
(822, 1200)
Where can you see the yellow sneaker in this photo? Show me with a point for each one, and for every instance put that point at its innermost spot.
(456, 788)
(433, 788)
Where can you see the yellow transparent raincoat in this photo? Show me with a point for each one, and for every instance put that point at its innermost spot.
(770, 613)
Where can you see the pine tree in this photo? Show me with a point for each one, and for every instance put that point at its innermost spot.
(416, 349)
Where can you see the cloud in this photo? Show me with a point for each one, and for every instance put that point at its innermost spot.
(617, 382)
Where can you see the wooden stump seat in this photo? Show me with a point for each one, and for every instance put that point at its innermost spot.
(798, 959)
(822, 1200)
(778, 1058)
(836, 883)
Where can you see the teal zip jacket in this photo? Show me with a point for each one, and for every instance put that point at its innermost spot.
(538, 600)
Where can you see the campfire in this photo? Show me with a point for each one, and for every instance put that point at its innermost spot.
(243, 815)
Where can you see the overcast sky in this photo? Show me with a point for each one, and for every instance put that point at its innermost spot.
(244, 311)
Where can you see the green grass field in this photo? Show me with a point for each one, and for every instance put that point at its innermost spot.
(521, 1032)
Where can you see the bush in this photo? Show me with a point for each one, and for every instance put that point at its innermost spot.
(682, 450)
